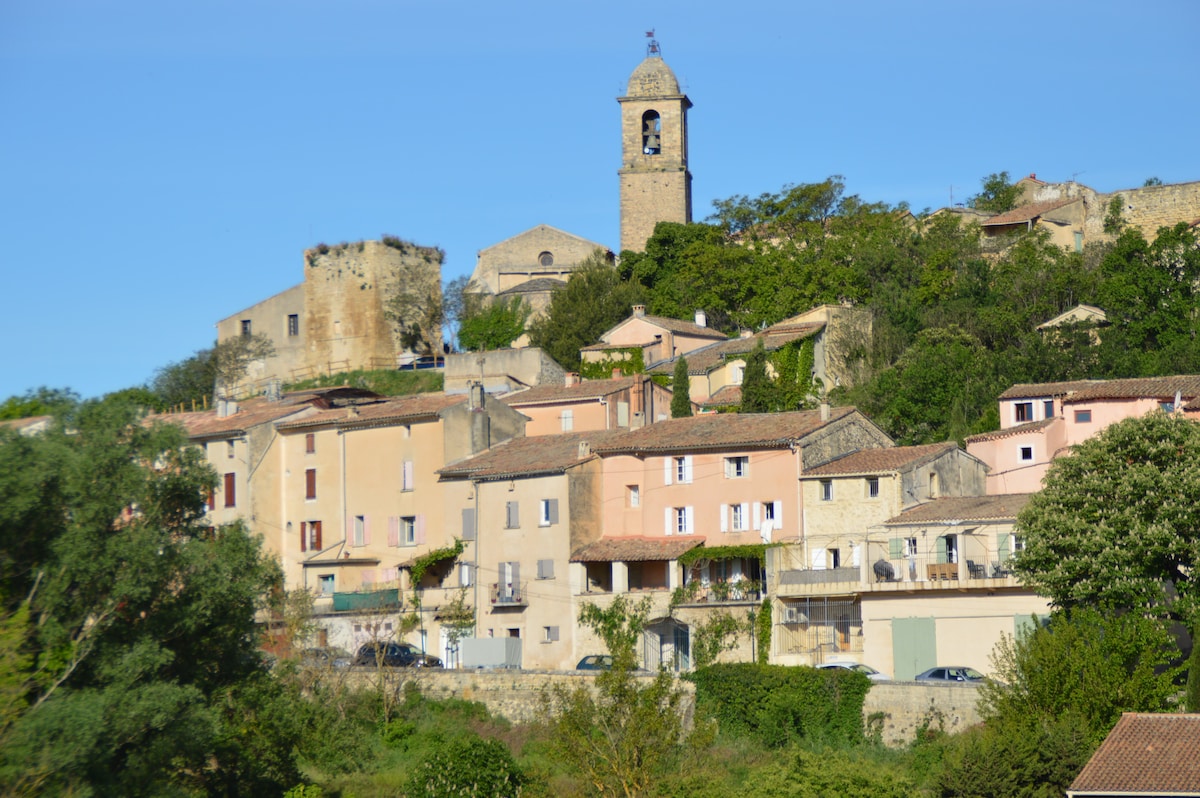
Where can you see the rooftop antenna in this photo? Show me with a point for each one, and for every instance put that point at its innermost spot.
(652, 49)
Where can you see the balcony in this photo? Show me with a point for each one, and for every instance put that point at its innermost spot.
(510, 594)
(747, 591)
(366, 601)
(902, 574)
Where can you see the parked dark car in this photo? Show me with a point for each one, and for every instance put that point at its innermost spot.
(595, 662)
(857, 667)
(950, 674)
(395, 655)
(326, 657)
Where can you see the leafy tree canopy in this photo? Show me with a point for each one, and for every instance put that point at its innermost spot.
(38, 402)
(999, 194)
(492, 323)
(1117, 523)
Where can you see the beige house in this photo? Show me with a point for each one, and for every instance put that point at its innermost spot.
(643, 340)
(532, 501)
(1042, 421)
(502, 370)
(621, 402)
(361, 500)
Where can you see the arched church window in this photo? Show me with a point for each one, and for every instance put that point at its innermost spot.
(651, 133)
(546, 259)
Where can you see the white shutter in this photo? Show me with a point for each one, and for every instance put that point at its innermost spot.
(818, 559)
(668, 463)
(406, 482)
(687, 469)
(745, 515)
(393, 530)
(419, 523)
(724, 517)
(689, 519)
(757, 516)
(669, 525)
(778, 515)
(855, 555)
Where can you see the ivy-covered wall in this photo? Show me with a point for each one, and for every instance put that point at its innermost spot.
(632, 362)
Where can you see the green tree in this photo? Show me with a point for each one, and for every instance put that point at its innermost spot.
(758, 394)
(38, 402)
(999, 194)
(493, 324)
(144, 664)
(1117, 524)
(621, 738)
(593, 300)
(681, 390)
(467, 767)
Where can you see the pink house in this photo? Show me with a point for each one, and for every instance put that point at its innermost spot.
(656, 338)
(1040, 422)
(617, 403)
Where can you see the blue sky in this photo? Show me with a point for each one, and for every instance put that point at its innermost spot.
(165, 164)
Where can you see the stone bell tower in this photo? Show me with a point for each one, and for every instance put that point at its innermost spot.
(656, 185)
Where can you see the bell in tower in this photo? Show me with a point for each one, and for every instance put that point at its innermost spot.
(651, 133)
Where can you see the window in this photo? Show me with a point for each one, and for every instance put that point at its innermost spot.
(1026, 454)
(737, 517)
(310, 443)
(546, 259)
(827, 490)
(1078, 241)
(293, 325)
(834, 558)
(737, 467)
(246, 327)
(326, 584)
(406, 475)
(634, 495)
(680, 520)
(549, 634)
(547, 512)
(310, 535)
(651, 133)
(1048, 408)
(910, 547)
(310, 484)
(408, 530)
(464, 575)
(772, 515)
(229, 449)
(872, 487)
(512, 515)
(1083, 416)
(545, 569)
(737, 373)
(683, 469)
(935, 489)
(360, 530)
(1018, 544)
(568, 420)
(230, 490)
(1166, 407)
(1023, 411)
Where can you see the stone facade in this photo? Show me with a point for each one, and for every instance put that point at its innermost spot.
(1147, 208)
(539, 253)
(337, 320)
(655, 182)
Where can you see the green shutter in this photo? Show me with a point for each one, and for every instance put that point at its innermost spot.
(896, 548)
(1002, 550)
(941, 549)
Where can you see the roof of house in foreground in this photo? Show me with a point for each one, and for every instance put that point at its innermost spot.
(723, 431)
(995, 507)
(881, 461)
(1144, 754)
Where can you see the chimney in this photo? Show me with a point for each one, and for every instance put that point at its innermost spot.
(585, 449)
(701, 318)
(824, 411)
(639, 311)
(475, 396)
(616, 373)
(571, 379)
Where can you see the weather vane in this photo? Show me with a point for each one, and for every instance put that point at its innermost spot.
(652, 47)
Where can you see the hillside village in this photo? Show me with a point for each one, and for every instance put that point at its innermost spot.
(525, 490)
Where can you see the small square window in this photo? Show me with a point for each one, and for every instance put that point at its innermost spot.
(873, 487)
(1048, 408)
(549, 634)
(245, 326)
(326, 582)
(1083, 416)
(827, 490)
(310, 443)
(1026, 454)
(736, 467)
(547, 512)
(1023, 412)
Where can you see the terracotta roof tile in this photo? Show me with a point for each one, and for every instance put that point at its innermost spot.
(397, 410)
(532, 456)
(684, 327)
(996, 507)
(1145, 754)
(1020, 429)
(724, 431)
(636, 549)
(536, 285)
(589, 389)
(1187, 385)
(729, 396)
(705, 359)
(1027, 212)
(1038, 390)
(250, 413)
(878, 461)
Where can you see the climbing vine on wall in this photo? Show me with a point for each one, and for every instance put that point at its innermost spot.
(431, 558)
(633, 364)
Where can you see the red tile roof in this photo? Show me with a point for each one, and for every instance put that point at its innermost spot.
(1188, 385)
(397, 410)
(636, 549)
(998, 507)
(1027, 212)
(683, 327)
(250, 413)
(879, 461)
(532, 456)
(1145, 754)
(1010, 432)
(724, 431)
(584, 391)
(729, 396)
(1040, 390)
(705, 359)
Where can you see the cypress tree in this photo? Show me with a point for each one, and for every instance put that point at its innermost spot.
(681, 400)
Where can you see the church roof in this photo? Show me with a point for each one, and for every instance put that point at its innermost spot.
(653, 78)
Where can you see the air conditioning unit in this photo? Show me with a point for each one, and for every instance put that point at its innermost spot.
(793, 615)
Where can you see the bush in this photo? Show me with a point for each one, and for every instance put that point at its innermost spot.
(467, 767)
